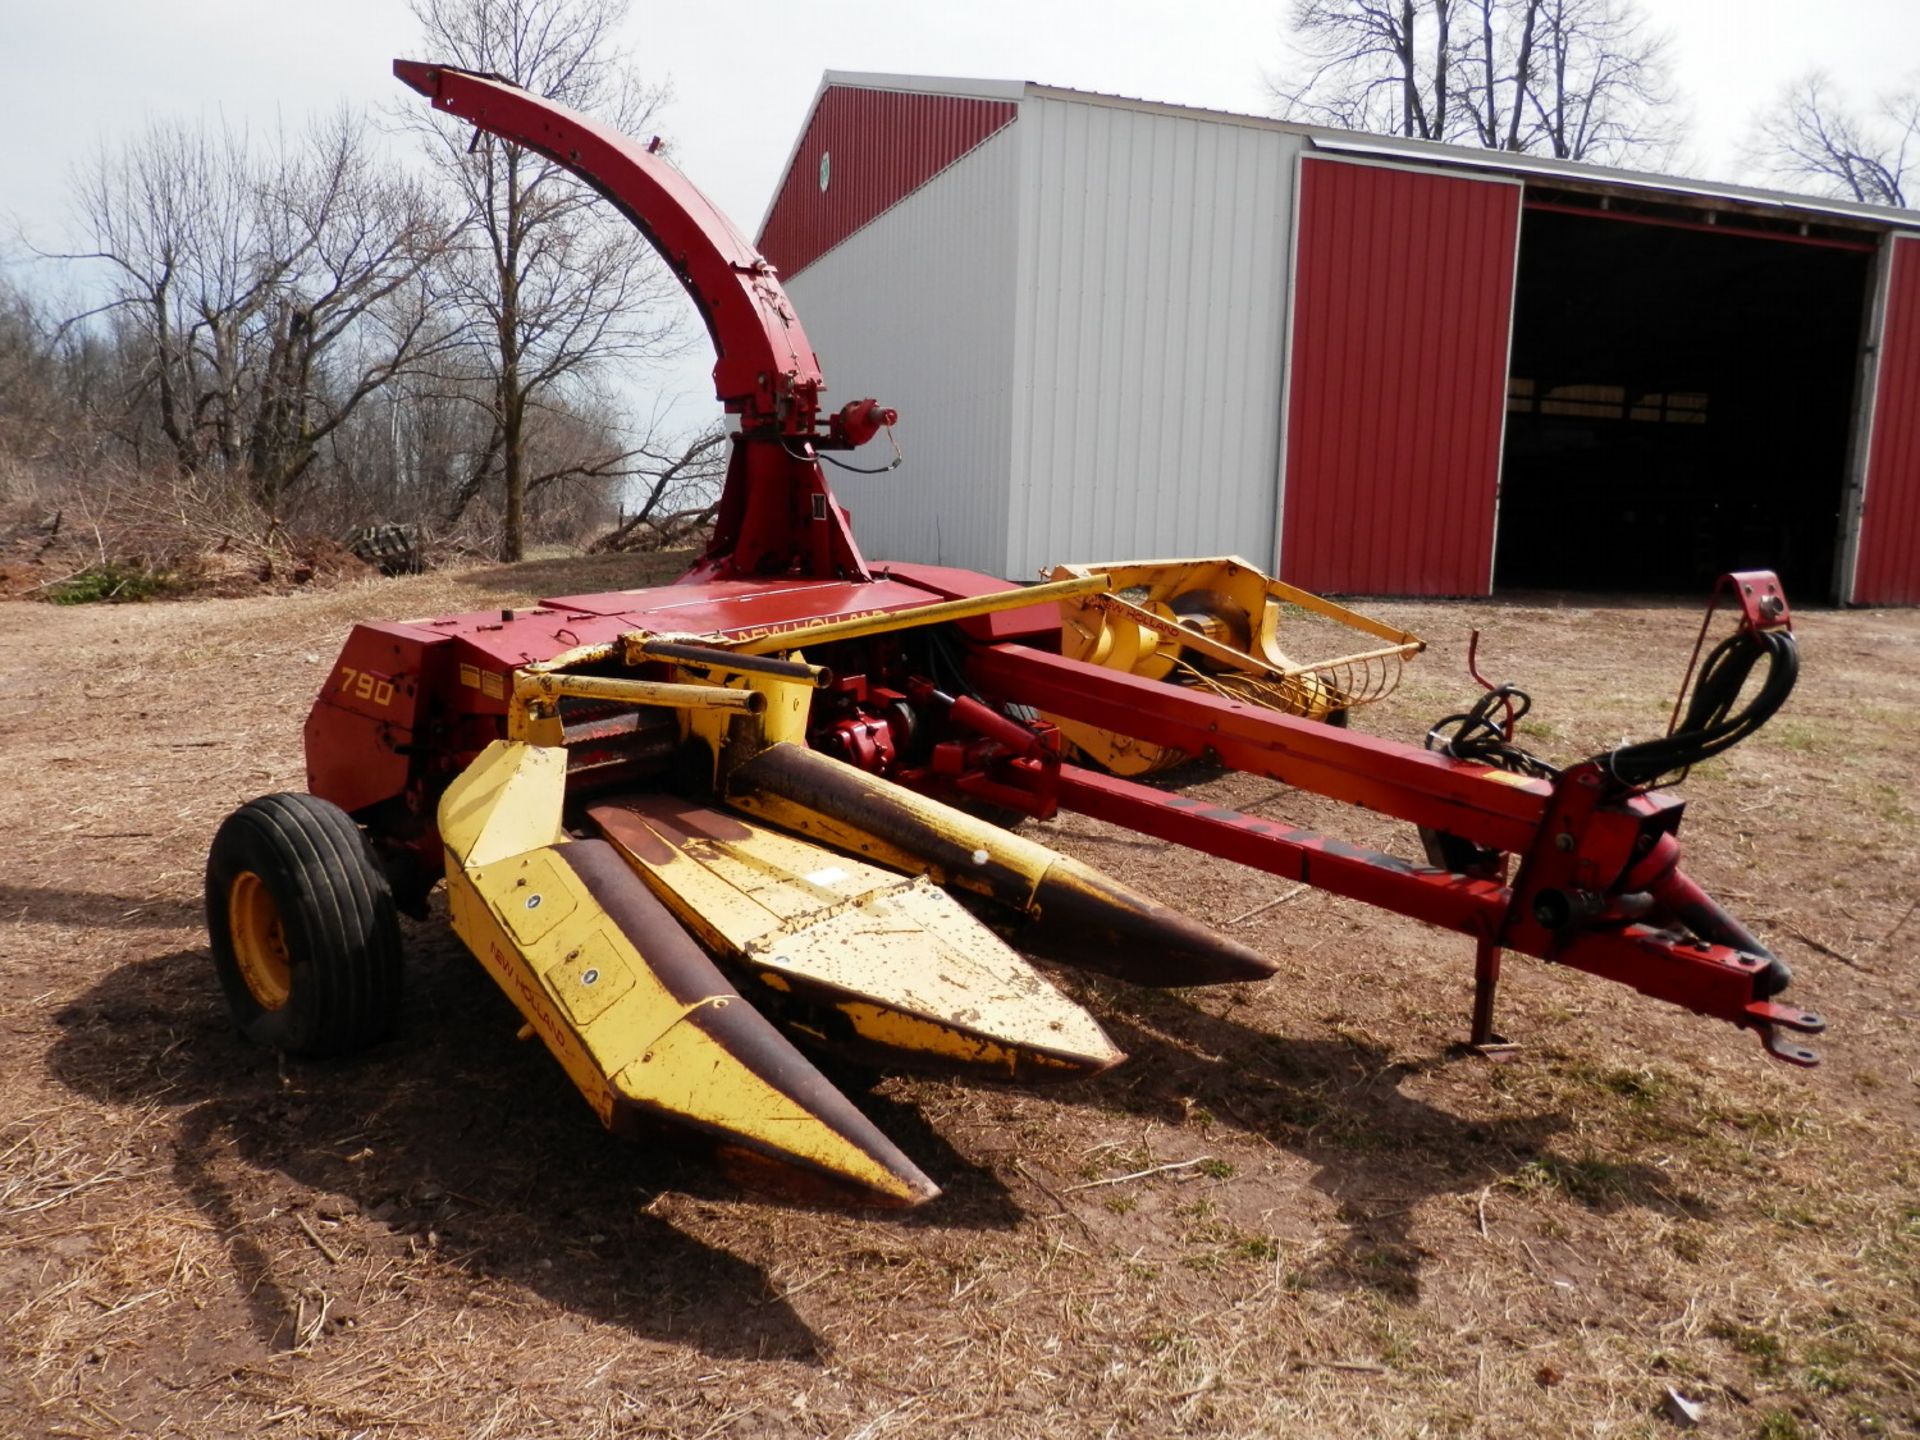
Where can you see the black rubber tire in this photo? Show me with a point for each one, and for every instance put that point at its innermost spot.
(337, 917)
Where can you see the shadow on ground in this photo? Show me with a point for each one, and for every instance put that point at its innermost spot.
(1338, 1104)
(452, 1146)
(456, 1144)
(94, 909)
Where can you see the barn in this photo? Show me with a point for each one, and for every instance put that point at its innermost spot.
(1117, 329)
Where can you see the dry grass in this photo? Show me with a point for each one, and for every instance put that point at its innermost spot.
(1296, 1212)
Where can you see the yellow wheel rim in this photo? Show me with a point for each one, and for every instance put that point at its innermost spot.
(259, 941)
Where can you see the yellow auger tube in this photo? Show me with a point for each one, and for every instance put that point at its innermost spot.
(1080, 915)
(644, 1025)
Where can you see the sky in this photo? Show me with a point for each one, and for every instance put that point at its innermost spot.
(76, 74)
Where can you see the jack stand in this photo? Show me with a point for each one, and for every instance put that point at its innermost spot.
(1482, 1040)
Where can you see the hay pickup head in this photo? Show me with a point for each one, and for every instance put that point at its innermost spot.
(706, 834)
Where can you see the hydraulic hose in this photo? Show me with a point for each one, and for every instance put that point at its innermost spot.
(1712, 724)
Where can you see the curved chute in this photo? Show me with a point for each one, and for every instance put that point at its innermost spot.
(777, 515)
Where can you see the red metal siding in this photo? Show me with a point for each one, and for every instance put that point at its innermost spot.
(1888, 570)
(884, 145)
(1403, 288)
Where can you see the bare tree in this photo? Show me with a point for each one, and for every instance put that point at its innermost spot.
(33, 408)
(551, 287)
(1578, 79)
(1497, 59)
(352, 298)
(680, 489)
(1379, 65)
(1812, 138)
(259, 298)
(1599, 86)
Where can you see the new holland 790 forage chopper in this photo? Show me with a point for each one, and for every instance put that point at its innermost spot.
(695, 830)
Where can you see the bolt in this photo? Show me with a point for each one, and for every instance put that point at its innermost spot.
(1563, 842)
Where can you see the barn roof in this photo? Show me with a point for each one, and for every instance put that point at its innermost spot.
(1572, 174)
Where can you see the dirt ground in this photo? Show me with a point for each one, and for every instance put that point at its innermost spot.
(1297, 1210)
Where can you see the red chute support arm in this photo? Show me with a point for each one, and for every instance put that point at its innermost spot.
(777, 515)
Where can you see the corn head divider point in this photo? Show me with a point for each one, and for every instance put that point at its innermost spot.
(705, 834)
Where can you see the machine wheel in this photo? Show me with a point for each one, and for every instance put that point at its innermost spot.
(305, 936)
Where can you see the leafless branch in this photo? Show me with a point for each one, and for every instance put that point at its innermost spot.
(549, 289)
(1813, 139)
(1579, 79)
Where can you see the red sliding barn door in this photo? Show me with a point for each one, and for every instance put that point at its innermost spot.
(1402, 301)
(1888, 569)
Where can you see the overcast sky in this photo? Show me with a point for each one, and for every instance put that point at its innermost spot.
(77, 73)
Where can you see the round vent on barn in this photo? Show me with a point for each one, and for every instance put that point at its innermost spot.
(826, 169)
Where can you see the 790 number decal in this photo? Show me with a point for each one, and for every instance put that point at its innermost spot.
(366, 685)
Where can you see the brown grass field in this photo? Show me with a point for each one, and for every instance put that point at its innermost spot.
(1298, 1209)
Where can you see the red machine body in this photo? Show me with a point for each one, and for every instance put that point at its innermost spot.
(1594, 882)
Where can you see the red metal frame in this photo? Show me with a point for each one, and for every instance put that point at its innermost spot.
(1581, 847)
(1708, 979)
(1420, 786)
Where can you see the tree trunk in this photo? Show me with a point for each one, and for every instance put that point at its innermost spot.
(1409, 83)
(1522, 74)
(1560, 148)
(183, 451)
(513, 415)
(513, 535)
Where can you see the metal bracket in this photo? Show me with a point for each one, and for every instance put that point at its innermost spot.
(1763, 604)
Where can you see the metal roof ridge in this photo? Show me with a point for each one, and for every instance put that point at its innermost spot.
(1327, 137)
(966, 88)
(1043, 91)
(1358, 142)
(1361, 142)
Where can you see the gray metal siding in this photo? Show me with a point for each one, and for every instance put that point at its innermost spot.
(916, 309)
(1150, 333)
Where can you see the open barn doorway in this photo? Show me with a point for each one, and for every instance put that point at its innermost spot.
(1680, 403)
